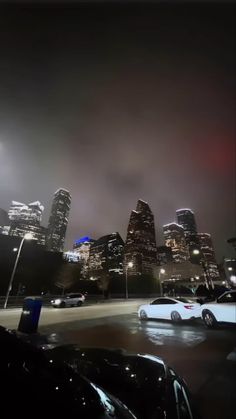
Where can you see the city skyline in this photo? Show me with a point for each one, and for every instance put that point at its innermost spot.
(117, 103)
(69, 243)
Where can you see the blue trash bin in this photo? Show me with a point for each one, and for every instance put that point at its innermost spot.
(30, 315)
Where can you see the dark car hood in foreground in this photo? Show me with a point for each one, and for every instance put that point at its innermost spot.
(34, 385)
(68, 381)
(143, 382)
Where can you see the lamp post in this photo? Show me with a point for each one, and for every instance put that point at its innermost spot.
(129, 265)
(27, 236)
(161, 272)
(208, 282)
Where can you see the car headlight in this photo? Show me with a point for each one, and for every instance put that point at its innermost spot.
(57, 301)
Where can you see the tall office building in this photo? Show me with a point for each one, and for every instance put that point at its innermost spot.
(106, 254)
(20, 229)
(27, 214)
(186, 218)
(175, 239)
(140, 247)
(26, 218)
(58, 220)
(81, 248)
(208, 255)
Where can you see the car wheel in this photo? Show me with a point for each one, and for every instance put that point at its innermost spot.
(63, 304)
(79, 303)
(175, 317)
(143, 315)
(209, 319)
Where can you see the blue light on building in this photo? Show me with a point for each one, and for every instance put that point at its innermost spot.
(83, 240)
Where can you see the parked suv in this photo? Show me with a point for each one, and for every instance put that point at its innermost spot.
(69, 300)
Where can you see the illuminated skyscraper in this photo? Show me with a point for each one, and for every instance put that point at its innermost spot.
(208, 255)
(26, 218)
(81, 248)
(27, 214)
(186, 218)
(58, 220)
(106, 254)
(175, 239)
(140, 246)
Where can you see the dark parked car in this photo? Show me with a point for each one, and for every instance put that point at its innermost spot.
(34, 386)
(69, 381)
(144, 383)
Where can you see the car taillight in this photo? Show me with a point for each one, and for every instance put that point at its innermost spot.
(188, 307)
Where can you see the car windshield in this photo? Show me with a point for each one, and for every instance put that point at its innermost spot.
(228, 298)
(117, 180)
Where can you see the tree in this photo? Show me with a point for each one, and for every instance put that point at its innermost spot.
(68, 275)
(103, 283)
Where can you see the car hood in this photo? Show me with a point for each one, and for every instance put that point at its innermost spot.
(51, 385)
(139, 380)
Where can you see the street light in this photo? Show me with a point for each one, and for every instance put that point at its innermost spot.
(161, 271)
(129, 265)
(27, 236)
(204, 266)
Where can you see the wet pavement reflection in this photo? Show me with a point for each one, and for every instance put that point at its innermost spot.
(160, 333)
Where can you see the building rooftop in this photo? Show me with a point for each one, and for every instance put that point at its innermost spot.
(83, 240)
(185, 209)
(170, 224)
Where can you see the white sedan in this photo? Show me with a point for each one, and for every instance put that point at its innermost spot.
(175, 309)
(221, 310)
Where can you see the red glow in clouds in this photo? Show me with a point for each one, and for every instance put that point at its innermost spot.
(217, 156)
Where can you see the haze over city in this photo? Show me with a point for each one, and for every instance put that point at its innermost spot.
(120, 103)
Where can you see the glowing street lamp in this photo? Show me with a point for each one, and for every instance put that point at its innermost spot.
(27, 236)
(129, 265)
(162, 271)
(208, 281)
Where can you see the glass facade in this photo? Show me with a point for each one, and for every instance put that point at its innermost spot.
(140, 247)
(175, 239)
(38, 232)
(26, 218)
(58, 220)
(27, 213)
(208, 255)
(186, 218)
(106, 254)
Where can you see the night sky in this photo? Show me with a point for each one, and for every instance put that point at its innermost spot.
(120, 102)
